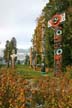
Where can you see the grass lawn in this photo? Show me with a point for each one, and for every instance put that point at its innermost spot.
(28, 72)
(31, 89)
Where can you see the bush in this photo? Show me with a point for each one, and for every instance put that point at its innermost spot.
(47, 92)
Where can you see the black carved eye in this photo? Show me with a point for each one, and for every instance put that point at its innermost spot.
(55, 20)
(59, 32)
(59, 51)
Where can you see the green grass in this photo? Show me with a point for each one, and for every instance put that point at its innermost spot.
(28, 72)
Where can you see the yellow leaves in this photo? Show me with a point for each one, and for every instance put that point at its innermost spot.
(0, 103)
(16, 106)
(23, 106)
(21, 98)
(56, 92)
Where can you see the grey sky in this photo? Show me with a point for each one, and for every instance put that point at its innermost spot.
(18, 19)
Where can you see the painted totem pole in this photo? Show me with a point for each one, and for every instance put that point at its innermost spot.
(43, 48)
(54, 23)
(31, 56)
(13, 56)
(43, 42)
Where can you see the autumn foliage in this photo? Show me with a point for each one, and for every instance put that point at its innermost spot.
(46, 92)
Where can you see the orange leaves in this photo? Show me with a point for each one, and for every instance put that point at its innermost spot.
(10, 94)
(50, 92)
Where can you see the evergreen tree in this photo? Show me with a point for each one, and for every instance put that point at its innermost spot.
(10, 48)
(59, 6)
(51, 8)
(7, 52)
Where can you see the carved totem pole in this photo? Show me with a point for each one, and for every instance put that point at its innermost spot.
(54, 23)
(13, 56)
(43, 48)
(31, 56)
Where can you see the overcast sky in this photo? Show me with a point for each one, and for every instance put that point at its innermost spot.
(18, 19)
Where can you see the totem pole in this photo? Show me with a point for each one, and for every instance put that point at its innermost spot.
(54, 23)
(43, 48)
(13, 56)
(31, 56)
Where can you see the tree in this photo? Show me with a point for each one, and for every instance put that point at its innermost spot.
(13, 45)
(27, 59)
(59, 6)
(37, 38)
(51, 8)
(10, 48)
(7, 52)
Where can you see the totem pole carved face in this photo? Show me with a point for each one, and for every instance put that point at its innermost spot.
(54, 23)
(56, 20)
(57, 36)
